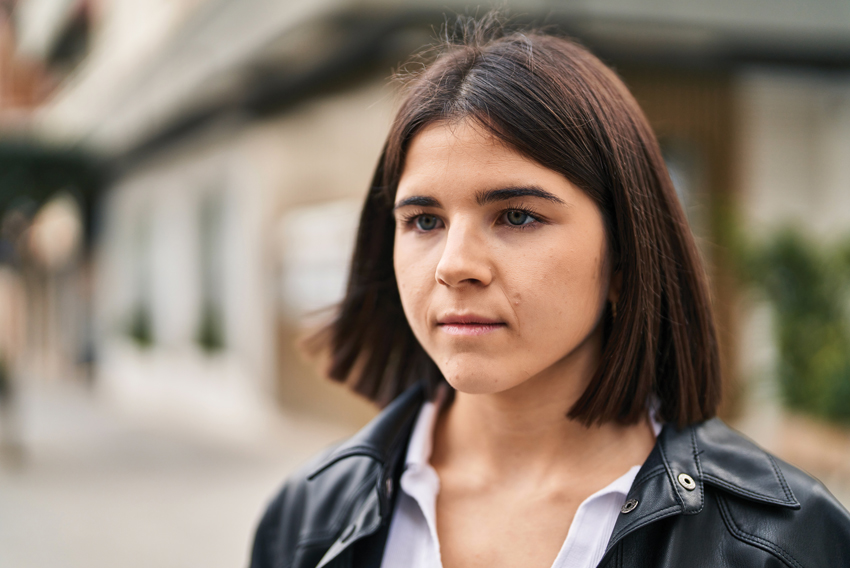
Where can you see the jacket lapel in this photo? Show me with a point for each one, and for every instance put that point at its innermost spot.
(652, 498)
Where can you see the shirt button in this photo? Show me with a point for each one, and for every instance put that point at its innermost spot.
(629, 506)
(687, 481)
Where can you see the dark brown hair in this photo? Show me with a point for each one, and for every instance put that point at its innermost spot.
(554, 102)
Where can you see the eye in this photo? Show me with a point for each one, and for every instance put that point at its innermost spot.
(426, 222)
(517, 217)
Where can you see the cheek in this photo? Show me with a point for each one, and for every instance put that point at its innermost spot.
(561, 294)
(413, 275)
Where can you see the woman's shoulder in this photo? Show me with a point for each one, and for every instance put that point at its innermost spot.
(306, 512)
(768, 502)
(274, 539)
(817, 514)
(713, 494)
(810, 491)
(323, 498)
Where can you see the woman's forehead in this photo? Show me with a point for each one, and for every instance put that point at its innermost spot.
(465, 160)
(460, 139)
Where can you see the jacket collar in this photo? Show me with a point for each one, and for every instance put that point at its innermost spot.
(714, 454)
(672, 480)
(383, 435)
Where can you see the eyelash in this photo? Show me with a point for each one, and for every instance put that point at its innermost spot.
(409, 220)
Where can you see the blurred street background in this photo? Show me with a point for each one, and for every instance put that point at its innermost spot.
(180, 182)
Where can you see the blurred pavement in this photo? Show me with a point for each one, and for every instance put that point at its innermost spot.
(95, 489)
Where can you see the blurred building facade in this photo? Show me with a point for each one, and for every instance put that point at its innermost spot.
(239, 139)
(46, 194)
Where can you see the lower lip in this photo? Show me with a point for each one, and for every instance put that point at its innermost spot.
(470, 328)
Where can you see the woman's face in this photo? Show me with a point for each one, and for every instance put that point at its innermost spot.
(501, 263)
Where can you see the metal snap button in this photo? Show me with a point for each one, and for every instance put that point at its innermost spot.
(687, 481)
(629, 506)
(389, 486)
(346, 534)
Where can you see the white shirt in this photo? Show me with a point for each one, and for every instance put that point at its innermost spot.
(412, 541)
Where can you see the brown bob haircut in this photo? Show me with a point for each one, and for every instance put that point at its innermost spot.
(554, 102)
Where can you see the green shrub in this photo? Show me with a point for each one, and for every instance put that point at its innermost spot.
(808, 286)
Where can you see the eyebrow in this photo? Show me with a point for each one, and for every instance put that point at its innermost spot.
(504, 194)
(417, 200)
(485, 197)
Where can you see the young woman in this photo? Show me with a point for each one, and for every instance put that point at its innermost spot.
(527, 302)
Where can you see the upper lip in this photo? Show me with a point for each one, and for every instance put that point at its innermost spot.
(467, 319)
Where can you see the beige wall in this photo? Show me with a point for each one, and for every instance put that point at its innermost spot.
(319, 160)
(795, 140)
(270, 176)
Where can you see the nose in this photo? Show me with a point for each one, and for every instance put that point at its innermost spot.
(465, 258)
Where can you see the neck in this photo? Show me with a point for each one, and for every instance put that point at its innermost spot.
(524, 434)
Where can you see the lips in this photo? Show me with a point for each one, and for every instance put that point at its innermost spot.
(468, 324)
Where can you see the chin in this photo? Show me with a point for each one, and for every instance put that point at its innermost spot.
(475, 377)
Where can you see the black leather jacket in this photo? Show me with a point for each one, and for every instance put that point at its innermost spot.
(745, 508)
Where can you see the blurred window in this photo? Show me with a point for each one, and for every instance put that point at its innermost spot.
(316, 245)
